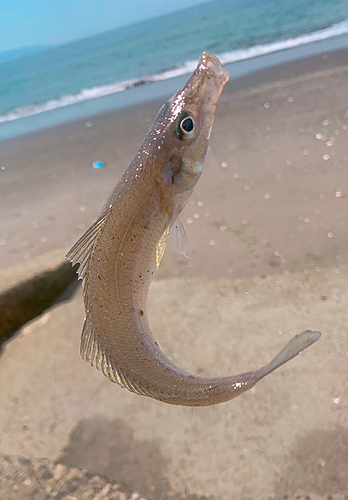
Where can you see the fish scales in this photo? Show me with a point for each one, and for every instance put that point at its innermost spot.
(120, 252)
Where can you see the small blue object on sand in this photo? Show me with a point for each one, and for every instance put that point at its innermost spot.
(98, 164)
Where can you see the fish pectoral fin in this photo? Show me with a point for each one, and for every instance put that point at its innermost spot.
(81, 251)
(92, 351)
(161, 246)
(178, 238)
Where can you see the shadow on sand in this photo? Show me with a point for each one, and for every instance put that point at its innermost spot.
(31, 298)
(109, 449)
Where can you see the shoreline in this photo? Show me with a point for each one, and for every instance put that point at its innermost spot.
(241, 73)
(244, 84)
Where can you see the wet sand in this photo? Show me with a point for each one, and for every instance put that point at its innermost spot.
(272, 197)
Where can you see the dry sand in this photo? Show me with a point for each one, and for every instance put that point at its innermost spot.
(272, 201)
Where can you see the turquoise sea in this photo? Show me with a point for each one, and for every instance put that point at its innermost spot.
(247, 33)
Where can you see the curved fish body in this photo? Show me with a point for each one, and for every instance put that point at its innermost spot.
(120, 252)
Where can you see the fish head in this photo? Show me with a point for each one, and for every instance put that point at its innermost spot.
(187, 119)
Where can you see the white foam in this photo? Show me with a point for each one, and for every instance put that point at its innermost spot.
(226, 57)
(95, 92)
(260, 50)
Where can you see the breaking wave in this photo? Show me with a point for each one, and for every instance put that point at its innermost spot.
(226, 57)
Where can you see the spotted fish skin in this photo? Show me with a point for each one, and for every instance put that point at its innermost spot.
(121, 250)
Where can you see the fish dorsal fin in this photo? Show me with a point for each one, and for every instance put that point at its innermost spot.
(81, 251)
(92, 351)
(178, 238)
(161, 246)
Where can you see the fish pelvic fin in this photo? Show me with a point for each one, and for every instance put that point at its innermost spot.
(92, 351)
(296, 345)
(81, 251)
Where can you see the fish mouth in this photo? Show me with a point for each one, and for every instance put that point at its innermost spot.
(208, 60)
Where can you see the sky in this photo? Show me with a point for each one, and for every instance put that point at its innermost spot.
(54, 22)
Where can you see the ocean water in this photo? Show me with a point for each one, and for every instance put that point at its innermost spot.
(163, 48)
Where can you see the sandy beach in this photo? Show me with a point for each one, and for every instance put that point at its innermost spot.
(266, 223)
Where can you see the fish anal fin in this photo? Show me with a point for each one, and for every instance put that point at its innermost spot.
(81, 251)
(92, 351)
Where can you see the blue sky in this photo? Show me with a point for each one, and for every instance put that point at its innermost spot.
(53, 22)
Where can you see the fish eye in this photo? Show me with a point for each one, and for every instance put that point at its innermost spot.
(187, 125)
(184, 126)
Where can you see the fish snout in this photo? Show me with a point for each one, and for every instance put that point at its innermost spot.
(210, 61)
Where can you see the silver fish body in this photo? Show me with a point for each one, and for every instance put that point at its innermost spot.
(120, 252)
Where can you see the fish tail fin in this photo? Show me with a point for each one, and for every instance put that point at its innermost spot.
(293, 348)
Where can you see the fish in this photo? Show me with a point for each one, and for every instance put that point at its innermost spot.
(119, 253)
